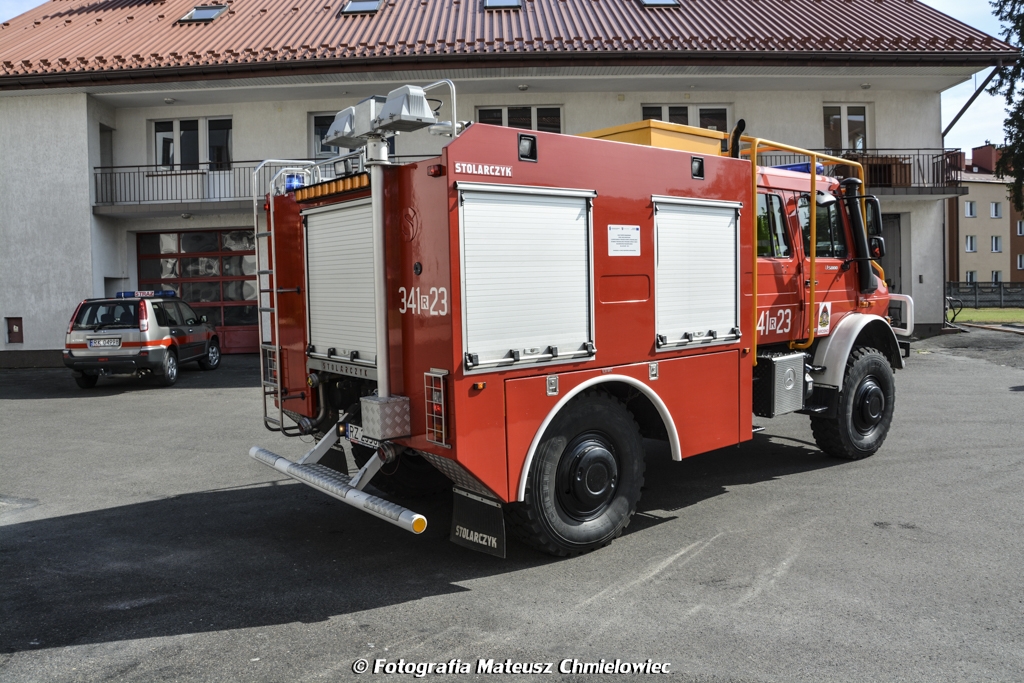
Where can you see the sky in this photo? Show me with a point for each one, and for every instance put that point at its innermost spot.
(983, 121)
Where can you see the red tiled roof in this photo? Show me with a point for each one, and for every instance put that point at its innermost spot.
(73, 41)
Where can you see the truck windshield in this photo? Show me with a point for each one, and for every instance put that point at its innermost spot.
(95, 315)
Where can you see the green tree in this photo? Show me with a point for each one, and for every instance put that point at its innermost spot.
(1009, 82)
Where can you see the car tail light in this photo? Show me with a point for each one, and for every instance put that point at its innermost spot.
(74, 317)
(143, 316)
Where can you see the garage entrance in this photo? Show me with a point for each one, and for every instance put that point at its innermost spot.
(214, 271)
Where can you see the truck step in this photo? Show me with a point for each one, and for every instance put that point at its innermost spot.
(336, 485)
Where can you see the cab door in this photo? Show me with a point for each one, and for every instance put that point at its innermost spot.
(779, 291)
(835, 288)
(167, 313)
(195, 329)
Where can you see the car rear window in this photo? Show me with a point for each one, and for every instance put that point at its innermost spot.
(97, 315)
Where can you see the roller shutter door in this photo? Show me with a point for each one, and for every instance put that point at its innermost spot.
(339, 272)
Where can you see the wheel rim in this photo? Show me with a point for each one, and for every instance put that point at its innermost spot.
(172, 367)
(587, 477)
(868, 405)
(214, 354)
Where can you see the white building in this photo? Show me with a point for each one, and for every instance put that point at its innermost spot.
(129, 133)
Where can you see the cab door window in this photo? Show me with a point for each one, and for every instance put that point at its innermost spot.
(772, 235)
(831, 238)
(167, 314)
(187, 314)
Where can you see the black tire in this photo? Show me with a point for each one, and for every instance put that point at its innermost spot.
(409, 476)
(585, 479)
(86, 381)
(211, 361)
(865, 410)
(169, 371)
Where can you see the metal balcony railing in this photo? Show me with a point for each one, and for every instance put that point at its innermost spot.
(207, 182)
(892, 171)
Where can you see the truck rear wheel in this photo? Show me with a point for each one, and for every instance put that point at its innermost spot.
(865, 408)
(585, 479)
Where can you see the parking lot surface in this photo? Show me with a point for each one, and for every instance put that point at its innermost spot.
(139, 542)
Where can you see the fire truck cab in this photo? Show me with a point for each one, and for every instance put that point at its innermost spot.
(515, 315)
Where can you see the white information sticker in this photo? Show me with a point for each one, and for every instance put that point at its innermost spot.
(623, 240)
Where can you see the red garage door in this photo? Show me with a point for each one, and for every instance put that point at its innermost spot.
(214, 271)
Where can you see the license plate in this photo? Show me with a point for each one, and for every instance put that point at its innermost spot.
(109, 341)
(354, 433)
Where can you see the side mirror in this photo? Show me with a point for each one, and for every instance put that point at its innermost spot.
(876, 246)
(874, 216)
(825, 199)
(202, 319)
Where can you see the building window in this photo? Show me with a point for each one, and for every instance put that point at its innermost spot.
(712, 117)
(995, 210)
(997, 244)
(972, 276)
(361, 7)
(317, 148)
(544, 119)
(203, 14)
(846, 127)
(971, 244)
(997, 276)
(1020, 261)
(659, 3)
(970, 210)
(177, 144)
(502, 4)
(1020, 228)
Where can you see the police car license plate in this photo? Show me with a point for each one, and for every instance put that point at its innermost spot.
(106, 342)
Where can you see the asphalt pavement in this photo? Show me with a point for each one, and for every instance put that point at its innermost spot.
(139, 542)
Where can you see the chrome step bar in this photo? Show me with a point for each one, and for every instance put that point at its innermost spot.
(338, 485)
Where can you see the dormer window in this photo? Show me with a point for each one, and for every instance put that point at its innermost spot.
(502, 4)
(361, 7)
(202, 14)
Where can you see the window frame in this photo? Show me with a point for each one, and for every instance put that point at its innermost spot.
(970, 244)
(492, 5)
(692, 113)
(533, 114)
(805, 229)
(997, 244)
(204, 163)
(1020, 228)
(361, 7)
(189, 17)
(1020, 261)
(970, 209)
(773, 230)
(995, 209)
(971, 276)
(315, 150)
(997, 276)
(844, 125)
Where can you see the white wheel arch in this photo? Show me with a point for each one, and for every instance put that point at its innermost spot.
(666, 416)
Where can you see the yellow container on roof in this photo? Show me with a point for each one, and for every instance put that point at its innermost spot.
(665, 135)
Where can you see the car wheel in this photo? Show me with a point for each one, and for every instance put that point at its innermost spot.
(865, 408)
(169, 374)
(212, 359)
(86, 381)
(584, 481)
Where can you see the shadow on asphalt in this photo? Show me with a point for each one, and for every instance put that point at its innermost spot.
(34, 383)
(280, 553)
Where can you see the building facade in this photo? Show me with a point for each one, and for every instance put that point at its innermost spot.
(137, 168)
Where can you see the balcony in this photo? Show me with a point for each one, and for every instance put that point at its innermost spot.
(893, 171)
(171, 190)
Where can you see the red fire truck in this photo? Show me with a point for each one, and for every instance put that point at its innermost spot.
(515, 315)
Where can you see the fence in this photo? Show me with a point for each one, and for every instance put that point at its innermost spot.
(987, 294)
(888, 168)
(208, 182)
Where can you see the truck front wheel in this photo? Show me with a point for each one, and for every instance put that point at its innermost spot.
(865, 408)
(585, 479)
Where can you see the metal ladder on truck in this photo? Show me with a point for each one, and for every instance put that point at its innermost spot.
(266, 261)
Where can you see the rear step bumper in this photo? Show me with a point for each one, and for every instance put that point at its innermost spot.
(336, 485)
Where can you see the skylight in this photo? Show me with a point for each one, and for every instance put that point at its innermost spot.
(361, 6)
(659, 3)
(203, 13)
(502, 4)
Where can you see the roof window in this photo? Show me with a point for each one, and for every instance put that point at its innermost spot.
(203, 13)
(361, 7)
(659, 3)
(502, 4)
